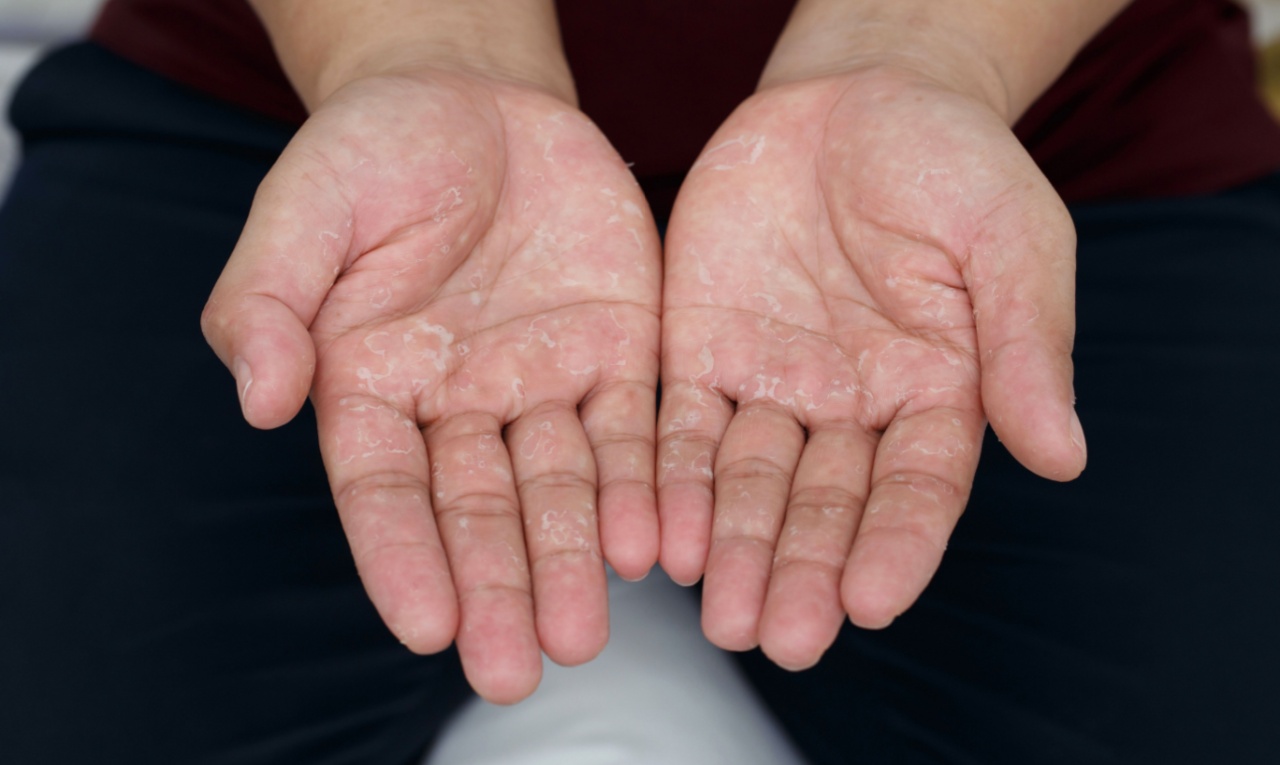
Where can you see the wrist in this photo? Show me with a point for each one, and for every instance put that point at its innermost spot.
(814, 47)
(326, 44)
(1003, 53)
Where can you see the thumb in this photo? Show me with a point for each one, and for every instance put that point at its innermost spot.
(283, 266)
(1021, 278)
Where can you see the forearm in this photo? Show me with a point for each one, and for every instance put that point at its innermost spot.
(1003, 52)
(324, 44)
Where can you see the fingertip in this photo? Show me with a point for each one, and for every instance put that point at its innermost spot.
(788, 660)
(281, 368)
(629, 534)
(274, 398)
(269, 353)
(793, 647)
(243, 374)
(573, 633)
(633, 570)
(1030, 407)
(683, 564)
(685, 532)
(1057, 452)
(871, 621)
(575, 649)
(505, 683)
(631, 555)
(882, 580)
(869, 609)
(415, 599)
(427, 636)
(1077, 439)
(728, 633)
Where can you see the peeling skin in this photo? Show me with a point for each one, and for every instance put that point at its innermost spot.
(375, 446)
(366, 444)
(749, 148)
(381, 297)
(708, 361)
(704, 274)
(541, 439)
(565, 530)
(675, 461)
(437, 474)
(450, 200)
(690, 420)
(774, 305)
(758, 525)
(534, 333)
(371, 378)
(421, 345)
(932, 449)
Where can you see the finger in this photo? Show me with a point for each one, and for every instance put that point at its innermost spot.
(1023, 292)
(920, 482)
(754, 467)
(802, 610)
(691, 420)
(556, 479)
(282, 267)
(479, 520)
(378, 470)
(619, 421)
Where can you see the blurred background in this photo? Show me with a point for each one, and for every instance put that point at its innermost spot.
(29, 26)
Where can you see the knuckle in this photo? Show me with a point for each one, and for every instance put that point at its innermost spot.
(825, 499)
(556, 479)
(478, 504)
(754, 468)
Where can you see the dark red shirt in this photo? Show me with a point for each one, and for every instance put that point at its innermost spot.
(1162, 102)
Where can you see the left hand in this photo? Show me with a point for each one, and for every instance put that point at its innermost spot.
(860, 270)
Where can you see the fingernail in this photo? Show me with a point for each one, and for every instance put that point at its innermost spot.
(1077, 435)
(244, 380)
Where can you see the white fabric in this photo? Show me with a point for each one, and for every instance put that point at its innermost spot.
(659, 694)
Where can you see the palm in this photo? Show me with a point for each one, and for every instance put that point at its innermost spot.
(485, 365)
(823, 368)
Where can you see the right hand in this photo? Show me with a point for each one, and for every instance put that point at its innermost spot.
(464, 275)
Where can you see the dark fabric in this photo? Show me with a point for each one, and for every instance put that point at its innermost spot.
(174, 586)
(1130, 616)
(1163, 102)
(215, 46)
(659, 76)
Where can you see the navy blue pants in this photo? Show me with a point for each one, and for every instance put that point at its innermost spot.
(175, 587)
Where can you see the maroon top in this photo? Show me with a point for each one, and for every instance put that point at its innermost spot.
(1162, 102)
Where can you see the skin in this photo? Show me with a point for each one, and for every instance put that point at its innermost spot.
(827, 367)
(457, 268)
(471, 269)
(863, 267)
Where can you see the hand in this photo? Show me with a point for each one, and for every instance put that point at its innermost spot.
(473, 274)
(859, 268)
